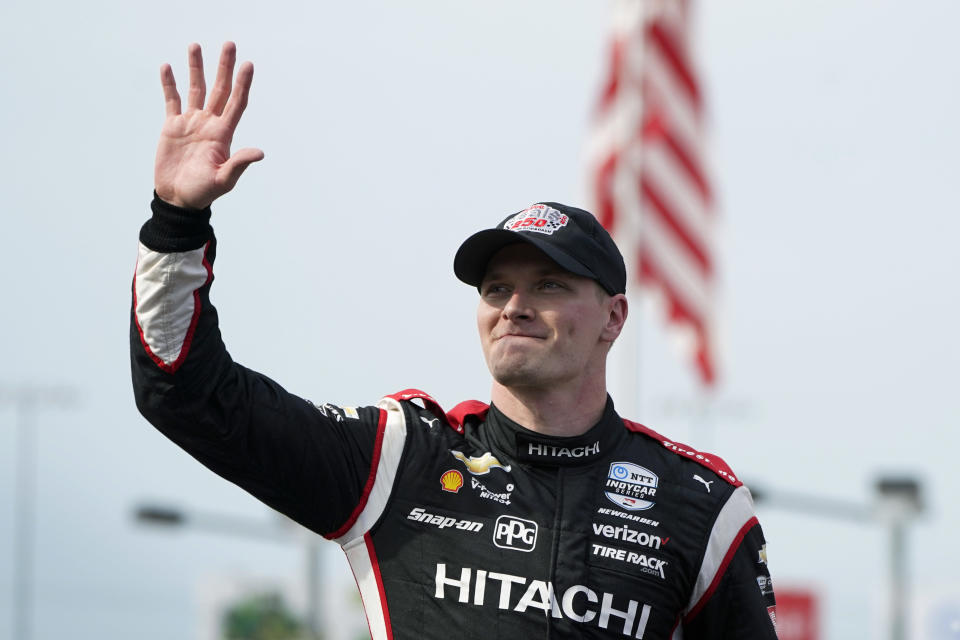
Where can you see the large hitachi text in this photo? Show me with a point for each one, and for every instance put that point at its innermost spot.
(577, 603)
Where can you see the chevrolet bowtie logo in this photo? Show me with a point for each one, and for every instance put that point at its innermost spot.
(482, 465)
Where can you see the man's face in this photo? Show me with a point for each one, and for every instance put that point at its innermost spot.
(540, 325)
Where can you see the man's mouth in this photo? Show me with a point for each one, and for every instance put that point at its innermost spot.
(519, 335)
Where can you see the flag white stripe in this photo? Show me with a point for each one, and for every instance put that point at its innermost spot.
(681, 195)
(651, 93)
(676, 266)
(673, 102)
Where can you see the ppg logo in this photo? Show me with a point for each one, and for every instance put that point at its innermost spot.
(515, 533)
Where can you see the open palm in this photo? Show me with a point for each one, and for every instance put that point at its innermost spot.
(194, 165)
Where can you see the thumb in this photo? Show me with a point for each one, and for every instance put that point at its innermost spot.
(231, 170)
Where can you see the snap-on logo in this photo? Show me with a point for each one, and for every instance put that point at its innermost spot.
(630, 486)
(515, 533)
(539, 218)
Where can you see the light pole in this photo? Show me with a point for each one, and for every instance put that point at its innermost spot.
(898, 501)
(27, 400)
(282, 531)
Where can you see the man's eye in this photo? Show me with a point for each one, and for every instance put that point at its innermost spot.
(552, 284)
(494, 289)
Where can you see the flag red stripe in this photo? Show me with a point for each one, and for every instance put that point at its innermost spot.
(603, 187)
(665, 42)
(612, 85)
(688, 162)
(669, 198)
(678, 312)
(659, 206)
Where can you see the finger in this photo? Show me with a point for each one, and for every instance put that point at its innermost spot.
(232, 169)
(221, 86)
(198, 87)
(238, 97)
(170, 95)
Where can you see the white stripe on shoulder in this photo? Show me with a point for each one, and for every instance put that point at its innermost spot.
(735, 513)
(164, 286)
(391, 449)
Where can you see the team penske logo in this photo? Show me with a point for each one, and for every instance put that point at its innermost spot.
(539, 218)
(631, 486)
(482, 465)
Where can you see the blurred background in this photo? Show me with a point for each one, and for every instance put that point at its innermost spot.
(391, 132)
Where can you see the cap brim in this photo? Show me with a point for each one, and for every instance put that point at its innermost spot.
(470, 263)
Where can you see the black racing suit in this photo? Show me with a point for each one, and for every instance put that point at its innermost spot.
(460, 524)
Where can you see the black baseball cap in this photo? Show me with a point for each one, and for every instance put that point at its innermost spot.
(571, 237)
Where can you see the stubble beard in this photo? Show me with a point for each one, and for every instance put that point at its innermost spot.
(522, 371)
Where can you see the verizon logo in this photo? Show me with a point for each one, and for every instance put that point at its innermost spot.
(625, 533)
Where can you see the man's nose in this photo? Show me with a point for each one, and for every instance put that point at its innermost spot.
(518, 307)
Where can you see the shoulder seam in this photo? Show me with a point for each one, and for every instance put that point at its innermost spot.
(714, 463)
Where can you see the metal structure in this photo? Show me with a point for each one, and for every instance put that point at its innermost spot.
(28, 400)
(281, 530)
(898, 501)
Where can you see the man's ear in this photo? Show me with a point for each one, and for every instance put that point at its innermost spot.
(616, 317)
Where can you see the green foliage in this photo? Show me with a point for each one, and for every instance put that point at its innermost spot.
(261, 617)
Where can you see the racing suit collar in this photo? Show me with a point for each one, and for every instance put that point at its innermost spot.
(528, 446)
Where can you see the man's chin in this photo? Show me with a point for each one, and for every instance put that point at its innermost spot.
(518, 375)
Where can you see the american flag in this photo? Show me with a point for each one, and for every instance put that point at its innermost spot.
(646, 169)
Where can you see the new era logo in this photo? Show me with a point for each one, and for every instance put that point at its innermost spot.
(515, 533)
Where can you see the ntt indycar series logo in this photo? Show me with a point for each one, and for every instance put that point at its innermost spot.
(631, 486)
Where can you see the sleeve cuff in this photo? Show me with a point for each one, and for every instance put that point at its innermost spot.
(175, 229)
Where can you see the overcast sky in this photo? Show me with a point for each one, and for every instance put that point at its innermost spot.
(391, 132)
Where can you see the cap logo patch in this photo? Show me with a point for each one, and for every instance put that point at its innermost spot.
(539, 218)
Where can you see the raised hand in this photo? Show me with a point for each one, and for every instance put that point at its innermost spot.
(194, 166)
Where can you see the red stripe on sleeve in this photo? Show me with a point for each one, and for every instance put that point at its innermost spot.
(723, 567)
(384, 609)
(371, 478)
(185, 347)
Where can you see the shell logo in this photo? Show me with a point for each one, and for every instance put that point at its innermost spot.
(451, 481)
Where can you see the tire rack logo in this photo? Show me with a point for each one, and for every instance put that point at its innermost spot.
(628, 485)
(515, 533)
(539, 218)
